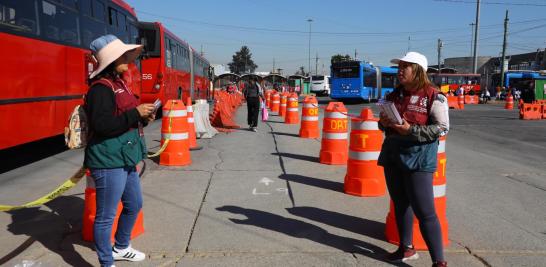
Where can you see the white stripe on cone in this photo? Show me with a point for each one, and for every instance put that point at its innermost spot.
(175, 113)
(335, 115)
(177, 136)
(442, 146)
(356, 155)
(309, 118)
(439, 190)
(364, 125)
(341, 136)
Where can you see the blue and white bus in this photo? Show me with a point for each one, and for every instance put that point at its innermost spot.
(361, 80)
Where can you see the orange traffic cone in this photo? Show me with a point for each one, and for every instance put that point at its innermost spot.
(509, 102)
(333, 149)
(275, 103)
(292, 115)
(90, 211)
(364, 177)
(460, 100)
(282, 108)
(174, 127)
(191, 125)
(268, 94)
(439, 188)
(309, 118)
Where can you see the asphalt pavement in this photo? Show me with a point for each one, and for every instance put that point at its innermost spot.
(262, 199)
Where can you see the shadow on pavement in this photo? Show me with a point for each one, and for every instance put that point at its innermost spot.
(320, 183)
(286, 134)
(57, 230)
(350, 223)
(300, 229)
(297, 156)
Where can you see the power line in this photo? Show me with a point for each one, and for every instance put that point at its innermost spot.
(492, 3)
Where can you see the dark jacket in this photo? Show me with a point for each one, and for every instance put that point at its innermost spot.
(116, 130)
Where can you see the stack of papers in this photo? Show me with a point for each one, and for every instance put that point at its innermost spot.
(388, 108)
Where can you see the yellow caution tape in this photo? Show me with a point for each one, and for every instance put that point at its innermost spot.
(54, 194)
(166, 142)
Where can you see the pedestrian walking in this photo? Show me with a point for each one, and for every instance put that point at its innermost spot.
(409, 153)
(116, 146)
(253, 93)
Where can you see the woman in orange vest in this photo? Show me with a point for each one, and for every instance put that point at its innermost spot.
(409, 153)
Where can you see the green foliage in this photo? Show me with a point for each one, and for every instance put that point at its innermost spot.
(340, 58)
(242, 62)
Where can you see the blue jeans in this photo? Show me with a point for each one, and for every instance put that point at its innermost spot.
(113, 185)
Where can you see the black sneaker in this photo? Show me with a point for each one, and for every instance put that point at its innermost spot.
(403, 254)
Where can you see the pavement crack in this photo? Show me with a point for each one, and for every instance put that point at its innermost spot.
(281, 162)
(509, 176)
(198, 212)
(469, 251)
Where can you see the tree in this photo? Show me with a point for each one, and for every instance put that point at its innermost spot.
(242, 62)
(340, 58)
(301, 71)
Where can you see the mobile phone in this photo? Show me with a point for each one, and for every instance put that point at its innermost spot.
(157, 104)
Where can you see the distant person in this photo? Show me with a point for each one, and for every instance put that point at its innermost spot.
(116, 146)
(253, 93)
(486, 96)
(498, 93)
(409, 156)
(460, 91)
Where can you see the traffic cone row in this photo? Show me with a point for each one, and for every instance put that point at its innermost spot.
(225, 105)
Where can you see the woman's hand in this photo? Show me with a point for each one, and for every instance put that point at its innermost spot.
(402, 129)
(145, 110)
(384, 120)
(151, 118)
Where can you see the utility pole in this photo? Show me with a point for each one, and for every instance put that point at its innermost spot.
(476, 35)
(316, 64)
(472, 39)
(309, 48)
(504, 48)
(440, 44)
(273, 65)
(202, 53)
(409, 44)
(356, 54)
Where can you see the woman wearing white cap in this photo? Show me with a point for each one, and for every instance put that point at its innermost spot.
(116, 146)
(409, 156)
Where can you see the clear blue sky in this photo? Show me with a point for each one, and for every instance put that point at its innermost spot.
(378, 30)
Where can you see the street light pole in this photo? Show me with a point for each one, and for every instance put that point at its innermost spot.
(476, 36)
(309, 48)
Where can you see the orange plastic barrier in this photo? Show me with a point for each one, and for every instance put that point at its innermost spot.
(460, 100)
(292, 114)
(440, 199)
(282, 108)
(174, 126)
(90, 211)
(471, 99)
(509, 102)
(543, 109)
(452, 102)
(530, 112)
(191, 124)
(268, 94)
(225, 106)
(310, 118)
(334, 144)
(275, 103)
(364, 177)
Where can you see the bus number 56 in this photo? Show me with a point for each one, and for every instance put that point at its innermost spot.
(146, 76)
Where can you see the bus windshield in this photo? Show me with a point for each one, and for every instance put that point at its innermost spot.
(318, 77)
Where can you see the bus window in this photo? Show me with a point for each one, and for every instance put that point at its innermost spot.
(16, 16)
(388, 80)
(59, 23)
(112, 17)
(98, 11)
(370, 79)
(318, 78)
(122, 22)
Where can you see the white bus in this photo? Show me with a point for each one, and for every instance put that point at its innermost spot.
(320, 84)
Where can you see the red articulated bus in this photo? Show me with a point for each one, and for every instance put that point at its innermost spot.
(170, 67)
(46, 61)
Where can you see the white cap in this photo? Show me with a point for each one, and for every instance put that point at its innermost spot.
(413, 57)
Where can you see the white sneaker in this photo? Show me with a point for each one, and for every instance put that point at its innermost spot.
(128, 254)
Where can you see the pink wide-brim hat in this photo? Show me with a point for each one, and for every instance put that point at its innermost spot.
(112, 51)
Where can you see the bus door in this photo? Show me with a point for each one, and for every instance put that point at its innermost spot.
(379, 88)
